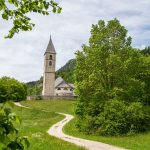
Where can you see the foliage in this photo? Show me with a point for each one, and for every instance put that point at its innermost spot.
(144, 76)
(146, 51)
(35, 87)
(109, 69)
(9, 139)
(117, 118)
(11, 89)
(17, 10)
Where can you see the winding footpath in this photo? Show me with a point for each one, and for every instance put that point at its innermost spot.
(57, 131)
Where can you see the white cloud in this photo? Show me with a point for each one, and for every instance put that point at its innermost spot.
(22, 56)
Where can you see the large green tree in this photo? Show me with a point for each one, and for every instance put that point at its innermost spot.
(17, 10)
(109, 71)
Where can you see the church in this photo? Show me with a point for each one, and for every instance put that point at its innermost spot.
(54, 88)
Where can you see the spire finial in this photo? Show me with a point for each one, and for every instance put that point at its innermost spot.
(50, 47)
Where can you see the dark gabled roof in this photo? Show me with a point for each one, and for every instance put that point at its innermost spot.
(50, 47)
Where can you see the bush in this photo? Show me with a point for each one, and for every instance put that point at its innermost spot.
(117, 118)
(11, 89)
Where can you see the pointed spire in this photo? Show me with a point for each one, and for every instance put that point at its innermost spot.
(50, 47)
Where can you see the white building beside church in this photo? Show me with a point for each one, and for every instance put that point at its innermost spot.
(62, 88)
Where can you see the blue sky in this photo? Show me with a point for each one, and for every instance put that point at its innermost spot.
(22, 56)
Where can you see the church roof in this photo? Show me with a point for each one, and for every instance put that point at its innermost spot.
(50, 47)
(59, 82)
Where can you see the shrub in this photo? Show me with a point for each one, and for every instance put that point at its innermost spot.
(117, 118)
(11, 89)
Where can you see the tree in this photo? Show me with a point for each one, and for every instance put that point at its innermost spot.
(17, 10)
(11, 89)
(109, 71)
(146, 51)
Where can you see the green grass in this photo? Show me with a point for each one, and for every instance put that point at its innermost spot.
(64, 106)
(35, 124)
(136, 142)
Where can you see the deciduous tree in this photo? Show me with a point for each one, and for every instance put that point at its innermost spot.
(109, 69)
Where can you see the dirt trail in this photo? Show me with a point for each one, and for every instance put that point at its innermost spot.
(56, 130)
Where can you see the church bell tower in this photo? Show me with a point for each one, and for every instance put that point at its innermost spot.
(49, 70)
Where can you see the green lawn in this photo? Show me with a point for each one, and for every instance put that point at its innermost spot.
(35, 124)
(137, 142)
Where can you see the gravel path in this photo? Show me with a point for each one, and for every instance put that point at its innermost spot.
(19, 105)
(56, 130)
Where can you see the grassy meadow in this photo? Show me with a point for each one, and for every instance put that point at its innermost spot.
(35, 124)
(136, 142)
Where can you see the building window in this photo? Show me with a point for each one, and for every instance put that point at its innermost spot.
(50, 63)
(58, 88)
(71, 89)
(50, 57)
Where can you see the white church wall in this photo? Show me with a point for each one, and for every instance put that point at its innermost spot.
(63, 92)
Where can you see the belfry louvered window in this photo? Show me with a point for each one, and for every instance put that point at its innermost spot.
(50, 57)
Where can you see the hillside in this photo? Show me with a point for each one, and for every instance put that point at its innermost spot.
(66, 72)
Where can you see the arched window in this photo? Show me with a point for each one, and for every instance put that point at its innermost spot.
(50, 63)
(50, 57)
